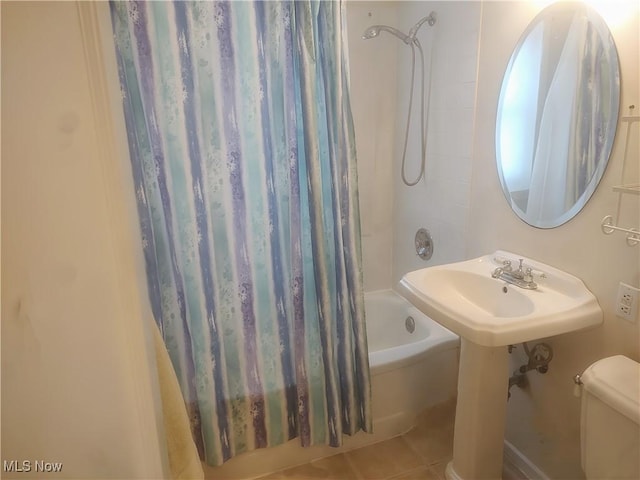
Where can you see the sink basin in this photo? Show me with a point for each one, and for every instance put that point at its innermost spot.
(491, 312)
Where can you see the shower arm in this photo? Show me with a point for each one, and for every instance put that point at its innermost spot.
(431, 18)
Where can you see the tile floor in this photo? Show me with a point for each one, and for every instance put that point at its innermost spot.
(420, 454)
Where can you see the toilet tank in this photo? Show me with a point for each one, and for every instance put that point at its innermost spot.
(610, 419)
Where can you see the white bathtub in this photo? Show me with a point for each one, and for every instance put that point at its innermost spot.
(391, 344)
(410, 371)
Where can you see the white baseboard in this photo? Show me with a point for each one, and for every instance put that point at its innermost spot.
(521, 467)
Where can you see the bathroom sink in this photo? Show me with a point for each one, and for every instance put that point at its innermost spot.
(465, 298)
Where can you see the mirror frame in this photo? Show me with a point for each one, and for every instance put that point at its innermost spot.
(614, 95)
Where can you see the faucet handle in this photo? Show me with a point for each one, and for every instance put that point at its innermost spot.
(506, 265)
(528, 275)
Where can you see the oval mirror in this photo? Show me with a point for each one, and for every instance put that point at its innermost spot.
(557, 114)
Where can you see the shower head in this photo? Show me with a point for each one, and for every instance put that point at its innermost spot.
(375, 30)
(431, 18)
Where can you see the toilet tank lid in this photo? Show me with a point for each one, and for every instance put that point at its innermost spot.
(616, 381)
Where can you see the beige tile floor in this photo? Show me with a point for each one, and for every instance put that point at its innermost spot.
(420, 454)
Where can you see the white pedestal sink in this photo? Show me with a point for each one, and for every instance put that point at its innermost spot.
(489, 314)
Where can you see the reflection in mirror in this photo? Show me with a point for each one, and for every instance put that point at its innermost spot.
(557, 114)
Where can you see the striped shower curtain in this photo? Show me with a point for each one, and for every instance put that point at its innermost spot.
(242, 150)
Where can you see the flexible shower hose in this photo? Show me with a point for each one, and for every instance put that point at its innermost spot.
(424, 120)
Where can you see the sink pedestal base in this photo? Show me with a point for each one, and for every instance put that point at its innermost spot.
(480, 413)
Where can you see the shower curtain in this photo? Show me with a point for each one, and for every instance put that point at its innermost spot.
(242, 150)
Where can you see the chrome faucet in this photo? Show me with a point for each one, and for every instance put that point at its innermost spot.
(522, 277)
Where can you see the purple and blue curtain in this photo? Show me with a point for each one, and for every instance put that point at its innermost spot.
(242, 150)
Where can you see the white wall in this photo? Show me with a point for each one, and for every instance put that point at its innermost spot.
(76, 374)
(440, 203)
(543, 419)
(380, 80)
(373, 66)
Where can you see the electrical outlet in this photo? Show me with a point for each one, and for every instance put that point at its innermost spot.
(627, 302)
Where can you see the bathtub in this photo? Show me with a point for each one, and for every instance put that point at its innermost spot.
(391, 343)
(413, 361)
(410, 372)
